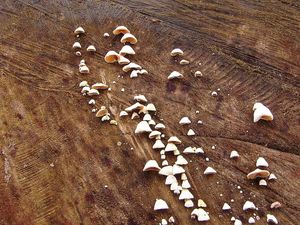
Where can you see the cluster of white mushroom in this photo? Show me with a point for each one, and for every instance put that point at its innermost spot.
(175, 174)
(94, 89)
(113, 56)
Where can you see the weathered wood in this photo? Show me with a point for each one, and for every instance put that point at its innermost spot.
(247, 49)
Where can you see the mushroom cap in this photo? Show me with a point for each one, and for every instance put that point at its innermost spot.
(185, 194)
(174, 75)
(237, 222)
(152, 122)
(271, 219)
(263, 182)
(174, 139)
(170, 179)
(147, 117)
(105, 118)
(181, 160)
(129, 38)
(160, 205)
(170, 147)
(120, 30)
(85, 89)
(174, 186)
(176, 51)
(154, 134)
(171, 219)
(199, 150)
(275, 205)
(123, 113)
(178, 169)
(127, 50)
(165, 163)
(123, 60)
(261, 162)
(164, 222)
(92, 102)
(201, 203)
(234, 154)
(209, 170)
(151, 107)
(272, 177)
(191, 133)
(261, 112)
(258, 173)
(186, 184)
(251, 220)
(134, 74)
(79, 30)
(184, 120)
(84, 69)
(142, 127)
(91, 48)
(140, 98)
(184, 62)
(188, 203)
(133, 107)
(99, 86)
(189, 150)
(160, 126)
(151, 165)
(92, 92)
(111, 57)
(248, 205)
(226, 207)
(131, 66)
(76, 45)
(166, 170)
(83, 83)
(202, 215)
(158, 144)
(183, 176)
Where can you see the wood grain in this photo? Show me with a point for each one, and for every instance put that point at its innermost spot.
(248, 49)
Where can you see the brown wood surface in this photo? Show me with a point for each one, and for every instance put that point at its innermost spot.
(248, 49)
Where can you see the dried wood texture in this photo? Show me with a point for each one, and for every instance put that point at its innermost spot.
(57, 157)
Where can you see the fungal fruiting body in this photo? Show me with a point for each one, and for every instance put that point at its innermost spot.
(160, 205)
(121, 30)
(174, 75)
(176, 51)
(111, 57)
(258, 173)
(248, 205)
(129, 38)
(261, 112)
(151, 165)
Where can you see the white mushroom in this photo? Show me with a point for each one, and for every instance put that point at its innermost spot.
(151, 107)
(127, 50)
(171, 147)
(181, 160)
(134, 107)
(92, 92)
(165, 163)
(188, 203)
(234, 154)
(151, 165)
(174, 186)
(131, 66)
(170, 180)
(166, 170)
(261, 162)
(178, 169)
(191, 133)
(258, 173)
(174, 75)
(189, 150)
(174, 140)
(83, 83)
(275, 205)
(147, 117)
(160, 205)
(121, 30)
(226, 207)
(106, 35)
(154, 134)
(201, 203)
(271, 219)
(201, 215)
(142, 127)
(79, 30)
(176, 51)
(261, 112)
(111, 57)
(183, 176)
(214, 93)
(134, 74)
(140, 98)
(91, 48)
(142, 71)
(186, 184)
(248, 205)
(105, 118)
(251, 220)
(199, 150)
(198, 74)
(184, 62)
(263, 182)
(160, 126)
(85, 89)
(272, 177)
(78, 53)
(171, 219)
(184, 120)
(123, 113)
(129, 38)
(176, 152)
(84, 69)
(209, 170)
(76, 45)
(185, 194)
(164, 222)
(158, 144)
(123, 60)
